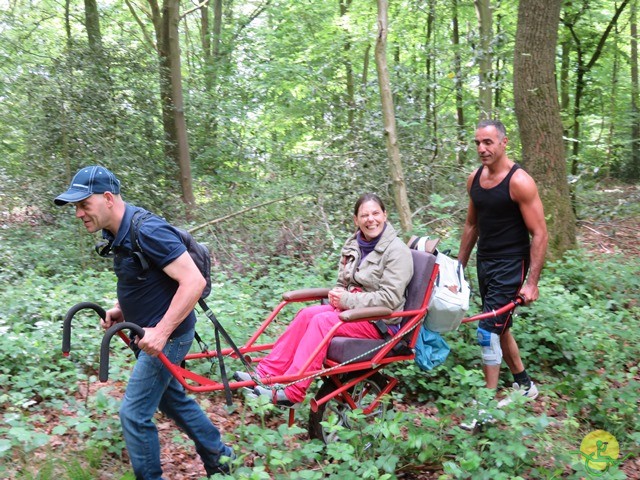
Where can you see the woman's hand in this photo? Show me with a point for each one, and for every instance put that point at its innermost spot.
(334, 296)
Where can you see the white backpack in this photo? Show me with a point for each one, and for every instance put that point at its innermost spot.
(450, 299)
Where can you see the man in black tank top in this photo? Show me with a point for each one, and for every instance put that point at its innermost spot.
(506, 219)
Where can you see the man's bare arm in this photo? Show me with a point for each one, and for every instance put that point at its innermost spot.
(191, 283)
(525, 192)
(469, 235)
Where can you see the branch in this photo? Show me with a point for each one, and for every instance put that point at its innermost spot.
(604, 36)
(141, 25)
(197, 7)
(240, 212)
(255, 14)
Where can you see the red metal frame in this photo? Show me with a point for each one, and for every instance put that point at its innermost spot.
(198, 383)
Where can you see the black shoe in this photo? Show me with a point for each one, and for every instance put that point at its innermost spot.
(218, 470)
(221, 468)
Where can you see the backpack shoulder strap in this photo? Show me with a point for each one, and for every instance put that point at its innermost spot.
(138, 219)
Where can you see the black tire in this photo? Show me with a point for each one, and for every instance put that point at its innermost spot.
(362, 393)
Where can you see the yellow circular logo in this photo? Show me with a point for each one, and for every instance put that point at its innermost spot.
(599, 451)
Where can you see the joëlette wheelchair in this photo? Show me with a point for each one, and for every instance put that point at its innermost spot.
(351, 374)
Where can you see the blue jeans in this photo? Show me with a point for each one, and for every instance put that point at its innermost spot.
(152, 387)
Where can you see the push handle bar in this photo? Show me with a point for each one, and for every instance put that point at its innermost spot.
(103, 374)
(66, 327)
(519, 300)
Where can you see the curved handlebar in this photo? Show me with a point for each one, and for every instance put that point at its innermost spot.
(519, 300)
(103, 374)
(66, 327)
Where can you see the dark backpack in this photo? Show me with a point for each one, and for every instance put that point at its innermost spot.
(198, 252)
(201, 257)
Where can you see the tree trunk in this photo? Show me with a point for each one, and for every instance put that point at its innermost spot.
(485, 24)
(211, 52)
(102, 95)
(431, 112)
(171, 15)
(388, 115)
(92, 21)
(581, 82)
(67, 23)
(205, 40)
(634, 170)
(176, 144)
(496, 79)
(351, 89)
(168, 124)
(538, 114)
(461, 147)
(361, 102)
(612, 146)
(365, 67)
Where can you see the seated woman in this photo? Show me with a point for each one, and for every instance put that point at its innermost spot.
(375, 269)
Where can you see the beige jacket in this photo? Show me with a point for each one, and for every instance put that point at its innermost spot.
(381, 279)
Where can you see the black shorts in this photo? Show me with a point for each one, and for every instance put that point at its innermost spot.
(499, 280)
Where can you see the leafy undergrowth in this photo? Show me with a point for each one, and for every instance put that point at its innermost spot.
(580, 342)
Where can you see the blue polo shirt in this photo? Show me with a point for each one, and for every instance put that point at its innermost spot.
(145, 301)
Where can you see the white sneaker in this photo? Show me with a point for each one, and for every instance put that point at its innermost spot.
(531, 393)
(242, 376)
(477, 423)
(276, 395)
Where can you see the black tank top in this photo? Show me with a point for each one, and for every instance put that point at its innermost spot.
(501, 228)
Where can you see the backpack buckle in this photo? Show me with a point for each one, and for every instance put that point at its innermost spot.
(103, 249)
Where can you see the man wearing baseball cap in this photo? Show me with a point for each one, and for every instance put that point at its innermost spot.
(86, 182)
(161, 301)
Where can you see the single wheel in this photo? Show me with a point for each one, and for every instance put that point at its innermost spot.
(336, 409)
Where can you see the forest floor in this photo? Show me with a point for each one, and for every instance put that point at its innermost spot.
(611, 221)
(602, 233)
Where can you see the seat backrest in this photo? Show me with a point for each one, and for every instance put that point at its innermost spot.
(423, 263)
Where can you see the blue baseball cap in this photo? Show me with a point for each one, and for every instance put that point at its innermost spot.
(89, 180)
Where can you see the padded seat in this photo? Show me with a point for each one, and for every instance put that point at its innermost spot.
(342, 349)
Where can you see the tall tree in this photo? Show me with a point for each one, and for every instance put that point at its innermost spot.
(634, 170)
(430, 73)
(565, 86)
(350, 80)
(458, 83)
(101, 96)
(583, 70)
(485, 24)
(211, 39)
(389, 119)
(165, 22)
(171, 14)
(538, 114)
(496, 80)
(610, 117)
(92, 21)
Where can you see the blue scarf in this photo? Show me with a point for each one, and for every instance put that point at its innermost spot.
(366, 247)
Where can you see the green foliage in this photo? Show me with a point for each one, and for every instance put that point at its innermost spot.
(272, 116)
(579, 342)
